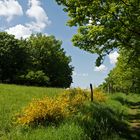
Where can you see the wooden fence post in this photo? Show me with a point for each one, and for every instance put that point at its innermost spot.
(91, 92)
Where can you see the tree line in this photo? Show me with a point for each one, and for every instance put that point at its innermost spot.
(39, 60)
(125, 77)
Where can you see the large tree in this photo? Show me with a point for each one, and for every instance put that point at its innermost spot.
(105, 25)
(14, 57)
(48, 56)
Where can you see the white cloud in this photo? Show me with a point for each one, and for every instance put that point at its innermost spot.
(74, 73)
(80, 74)
(19, 31)
(36, 12)
(90, 22)
(101, 68)
(113, 57)
(10, 8)
(39, 22)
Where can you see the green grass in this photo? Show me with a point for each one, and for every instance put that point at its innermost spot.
(13, 98)
(94, 121)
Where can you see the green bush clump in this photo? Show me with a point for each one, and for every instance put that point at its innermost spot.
(37, 78)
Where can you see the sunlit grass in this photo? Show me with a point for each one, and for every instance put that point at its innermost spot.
(13, 98)
(95, 120)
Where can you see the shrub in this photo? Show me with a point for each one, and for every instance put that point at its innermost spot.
(99, 95)
(35, 78)
(75, 97)
(100, 121)
(43, 111)
(50, 110)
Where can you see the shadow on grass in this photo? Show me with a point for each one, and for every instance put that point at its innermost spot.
(101, 123)
(135, 132)
(127, 102)
(133, 118)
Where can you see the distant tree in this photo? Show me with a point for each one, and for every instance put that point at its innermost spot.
(105, 25)
(39, 60)
(125, 77)
(14, 57)
(48, 56)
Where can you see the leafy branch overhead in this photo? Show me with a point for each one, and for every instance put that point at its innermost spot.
(104, 25)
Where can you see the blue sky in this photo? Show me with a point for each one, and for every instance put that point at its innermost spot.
(23, 17)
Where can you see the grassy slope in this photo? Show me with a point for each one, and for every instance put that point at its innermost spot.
(13, 98)
(115, 114)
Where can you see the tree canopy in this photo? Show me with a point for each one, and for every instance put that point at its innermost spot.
(14, 57)
(39, 60)
(104, 25)
(125, 77)
(48, 56)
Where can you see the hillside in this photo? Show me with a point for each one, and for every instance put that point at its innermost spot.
(116, 118)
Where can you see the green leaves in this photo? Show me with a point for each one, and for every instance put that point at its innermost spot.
(48, 56)
(40, 60)
(13, 57)
(125, 76)
(37, 78)
(115, 24)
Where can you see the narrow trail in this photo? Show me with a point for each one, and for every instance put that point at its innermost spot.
(134, 120)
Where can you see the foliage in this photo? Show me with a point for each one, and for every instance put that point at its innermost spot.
(48, 56)
(49, 110)
(75, 98)
(14, 58)
(104, 25)
(43, 111)
(39, 60)
(37, 78)
(99, 95)
(125, 76)
(100, 122)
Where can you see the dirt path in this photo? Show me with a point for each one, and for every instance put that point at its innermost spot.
(134, 120)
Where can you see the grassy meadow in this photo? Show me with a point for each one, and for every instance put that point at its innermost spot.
(118, 118)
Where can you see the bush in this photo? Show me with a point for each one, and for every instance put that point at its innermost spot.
(35, 78)
(50, 110)
(99, 95)
(99, 121)
(75, 97)
(43, 111)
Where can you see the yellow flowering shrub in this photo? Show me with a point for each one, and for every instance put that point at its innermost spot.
(53, 110)
(75, 98)
(99, 95)
(40, 111)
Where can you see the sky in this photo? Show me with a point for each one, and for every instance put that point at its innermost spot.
(24, 17)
